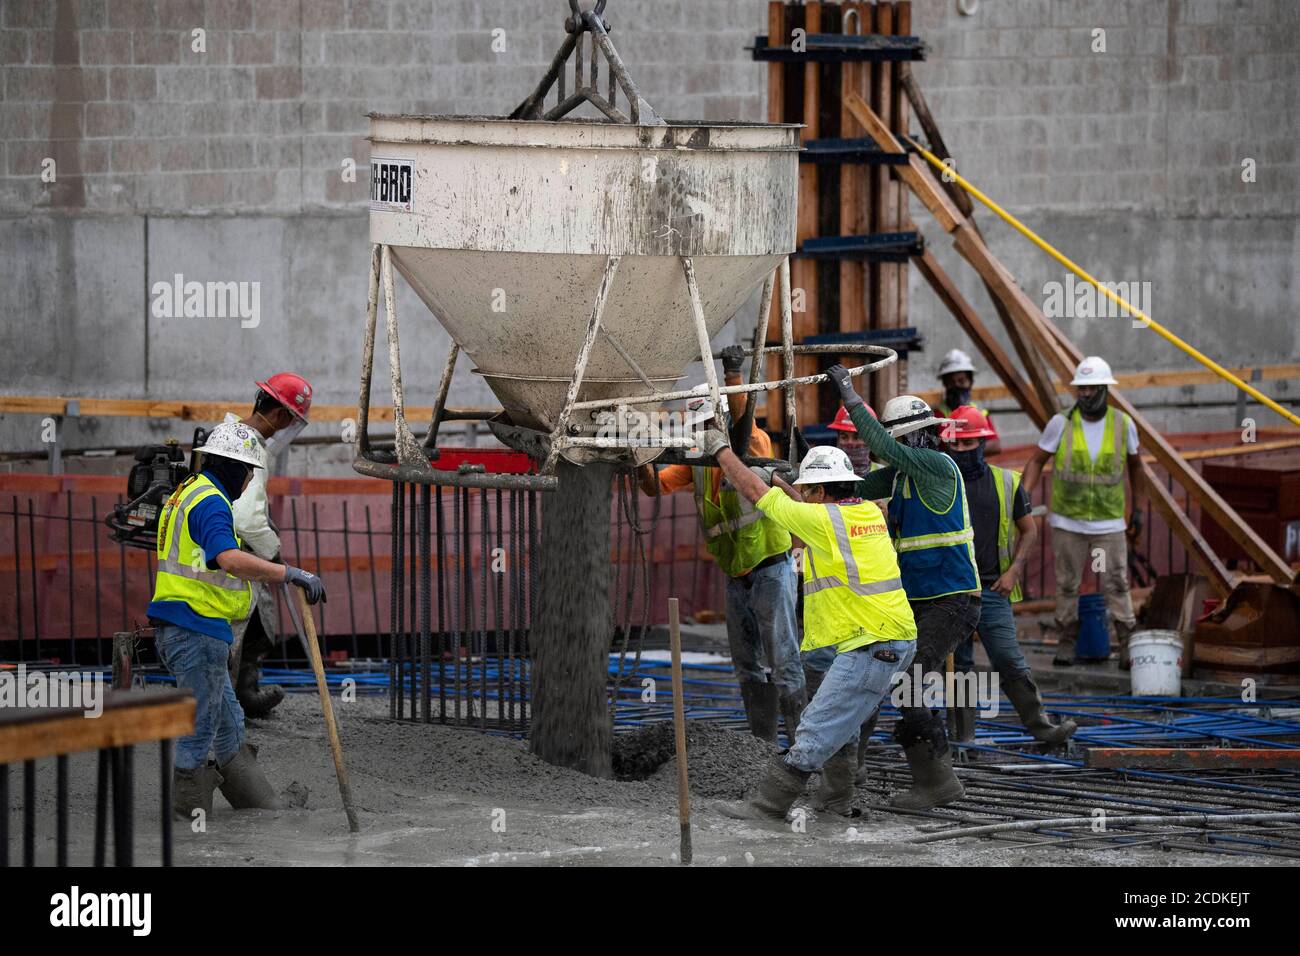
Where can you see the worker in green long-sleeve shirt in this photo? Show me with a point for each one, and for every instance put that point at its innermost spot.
(931, 526)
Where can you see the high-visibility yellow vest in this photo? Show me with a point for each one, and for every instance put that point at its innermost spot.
(1082, 488)
(1006, 481)
(735, 532)
(183, 573)
(854, 595)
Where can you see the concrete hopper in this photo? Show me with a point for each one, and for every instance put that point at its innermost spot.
(579, 264)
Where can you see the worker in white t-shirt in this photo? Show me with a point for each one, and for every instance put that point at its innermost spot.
(1092, 447)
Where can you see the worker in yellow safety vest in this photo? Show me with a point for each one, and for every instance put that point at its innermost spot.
(1005, 533)
(754, 553)
(202, 585)
(853, 601)
(1092, 447)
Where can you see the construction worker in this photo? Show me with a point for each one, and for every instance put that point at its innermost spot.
(847, 440)
(201, 587)
(754, 553)
(932, 532)
(957, 375)
(853, 601)
(1005, 533)
(279, 414)
(1092, 446)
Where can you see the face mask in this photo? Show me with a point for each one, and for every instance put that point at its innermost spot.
(956, 397)
(282, 439)
(970, 462)
(922, 438)
(1095, 406)
(229, 473)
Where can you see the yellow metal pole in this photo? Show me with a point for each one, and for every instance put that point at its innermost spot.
(1151, 323)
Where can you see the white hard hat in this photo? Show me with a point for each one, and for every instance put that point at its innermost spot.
(907, 413)
(956, 361)
(235, 440)
(825, 463)
(1093, 370)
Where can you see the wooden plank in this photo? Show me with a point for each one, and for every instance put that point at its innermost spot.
(803, 272)
(1135, 381)
(189, 411)
(774, 402)
(884, 217)
(30, 733)
(989, 347)
(901, 123)
(1179, 758)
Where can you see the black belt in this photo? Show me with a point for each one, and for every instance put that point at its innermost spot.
(765, 563)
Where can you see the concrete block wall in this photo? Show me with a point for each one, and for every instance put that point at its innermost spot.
(227, 165)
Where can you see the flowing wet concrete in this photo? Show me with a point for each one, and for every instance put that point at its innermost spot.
(432, 795)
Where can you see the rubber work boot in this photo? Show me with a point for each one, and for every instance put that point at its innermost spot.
(864, 742)
(963, 724)
(836, 792)
(244, 785)
(257, 701)
(761, 701)
(1122, 633)
(933, 782)
(192, 790)
(1065, 646)
(1024, 697)
(792, 706)
(774, 795)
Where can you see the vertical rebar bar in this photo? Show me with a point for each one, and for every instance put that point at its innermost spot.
(165, 764)
(323, 632)
(394, 588)
(347, 569)
(455, 609)
(72, 594)
(484, 587)
(61, 810)
(36, 609)
(101, 808)
(412, 639)
(4, 815)
(426, 601)
(18, 583)
(374, 580)
(99, 618)
(29, 813)
(440, 570)
(499, 552)
(121, 567)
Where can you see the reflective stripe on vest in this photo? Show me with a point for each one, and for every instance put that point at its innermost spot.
(213, 594)
(1006, 482)
(854, 594)
(936, 549)
(1085, 488)
(735, 532)
(854, 583)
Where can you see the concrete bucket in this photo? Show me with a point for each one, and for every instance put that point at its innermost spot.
(580, 264)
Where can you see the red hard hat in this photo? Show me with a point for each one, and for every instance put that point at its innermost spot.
(843, 423)
(971, 423)
(290, 390)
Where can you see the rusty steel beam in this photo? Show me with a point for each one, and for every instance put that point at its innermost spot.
(1177, 758)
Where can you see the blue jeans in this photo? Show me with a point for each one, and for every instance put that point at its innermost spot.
(854, 686)
(997, 631)
(201, 664)
(761, 622)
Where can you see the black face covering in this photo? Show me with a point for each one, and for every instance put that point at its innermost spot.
(922, 438)
(971, 462)
(228, 472)
(956, 397)
(1094, 407)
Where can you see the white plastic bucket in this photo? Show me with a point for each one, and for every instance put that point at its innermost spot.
(1156, 663)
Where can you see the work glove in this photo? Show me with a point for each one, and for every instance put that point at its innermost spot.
(712, 441)
(844, 382)
(1134, 529)
(733, 359)
(312, 586)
